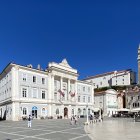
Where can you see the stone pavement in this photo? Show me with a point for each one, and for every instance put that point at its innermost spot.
(114, 129)
(43, 130)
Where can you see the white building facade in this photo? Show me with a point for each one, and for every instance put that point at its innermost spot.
(50, 93)
(115, 78)
(107, 102)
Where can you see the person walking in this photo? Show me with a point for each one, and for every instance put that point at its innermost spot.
(91, 119)
(75, 119)
(71, 120)
(29, 121)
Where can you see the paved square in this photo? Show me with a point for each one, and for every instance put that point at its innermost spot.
(114, 129)
(43, 130)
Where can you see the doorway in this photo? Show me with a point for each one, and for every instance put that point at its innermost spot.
(65, 112)
(34, 112)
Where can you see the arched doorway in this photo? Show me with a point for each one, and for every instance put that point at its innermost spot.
(34, 112)
(65, 112)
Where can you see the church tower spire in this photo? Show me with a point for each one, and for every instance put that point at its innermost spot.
(139, 65)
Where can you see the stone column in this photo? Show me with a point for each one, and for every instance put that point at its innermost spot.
(52, 88)
(15, 111)
(62, 110)
(68, 96)
(61, 87)
(76, 91)
(49, 113)
(69, 111)
(61, 83)
(92, 96)
(49, 87)
(13, 83)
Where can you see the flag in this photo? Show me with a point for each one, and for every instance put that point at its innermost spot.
(72, 94)
(61, 93)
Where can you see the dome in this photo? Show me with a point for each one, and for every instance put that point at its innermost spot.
(111, 91)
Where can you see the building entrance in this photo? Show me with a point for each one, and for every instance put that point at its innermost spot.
(34, 112)
(65, 112)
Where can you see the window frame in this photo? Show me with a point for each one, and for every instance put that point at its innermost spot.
(44, 94)
(34, 79)
(24, 111)
(24, 92)
(24, 77)
(43, 81)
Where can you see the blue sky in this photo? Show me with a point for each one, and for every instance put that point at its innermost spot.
(94, 36)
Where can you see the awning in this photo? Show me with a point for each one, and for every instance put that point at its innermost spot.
(123, 109)
(34, 108)
(135, 110)
(96, 109)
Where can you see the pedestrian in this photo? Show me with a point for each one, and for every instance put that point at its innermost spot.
(29, 121)
(71, 120)
(91, 119)
(75, 119)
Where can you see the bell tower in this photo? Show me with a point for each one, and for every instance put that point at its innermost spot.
(138, 65)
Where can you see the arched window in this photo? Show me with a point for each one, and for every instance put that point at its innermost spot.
(43, 111)
(88, 111)
(138, 105)
(72, 111)
(57, 111)
(84, 111)
(79, 111)
(24, 111)
(133, 105)
(78, 98)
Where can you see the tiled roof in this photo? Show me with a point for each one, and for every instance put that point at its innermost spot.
(107, 73)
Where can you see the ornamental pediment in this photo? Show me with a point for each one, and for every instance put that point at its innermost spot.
(65, 63)
(62, 66)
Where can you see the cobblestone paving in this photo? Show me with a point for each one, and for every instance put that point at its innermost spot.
(43, 130)
(114, 129)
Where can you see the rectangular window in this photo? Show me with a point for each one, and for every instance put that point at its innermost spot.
(83, 88)
(43, 81)
(43, 94)
(88, 99)
(34, 79)
(24, 92)
(88, 89)
(84, 98)
(34, 93)
(24, 77)
(78, 98)
(70, 86)
(55, 96)
(55, 85)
